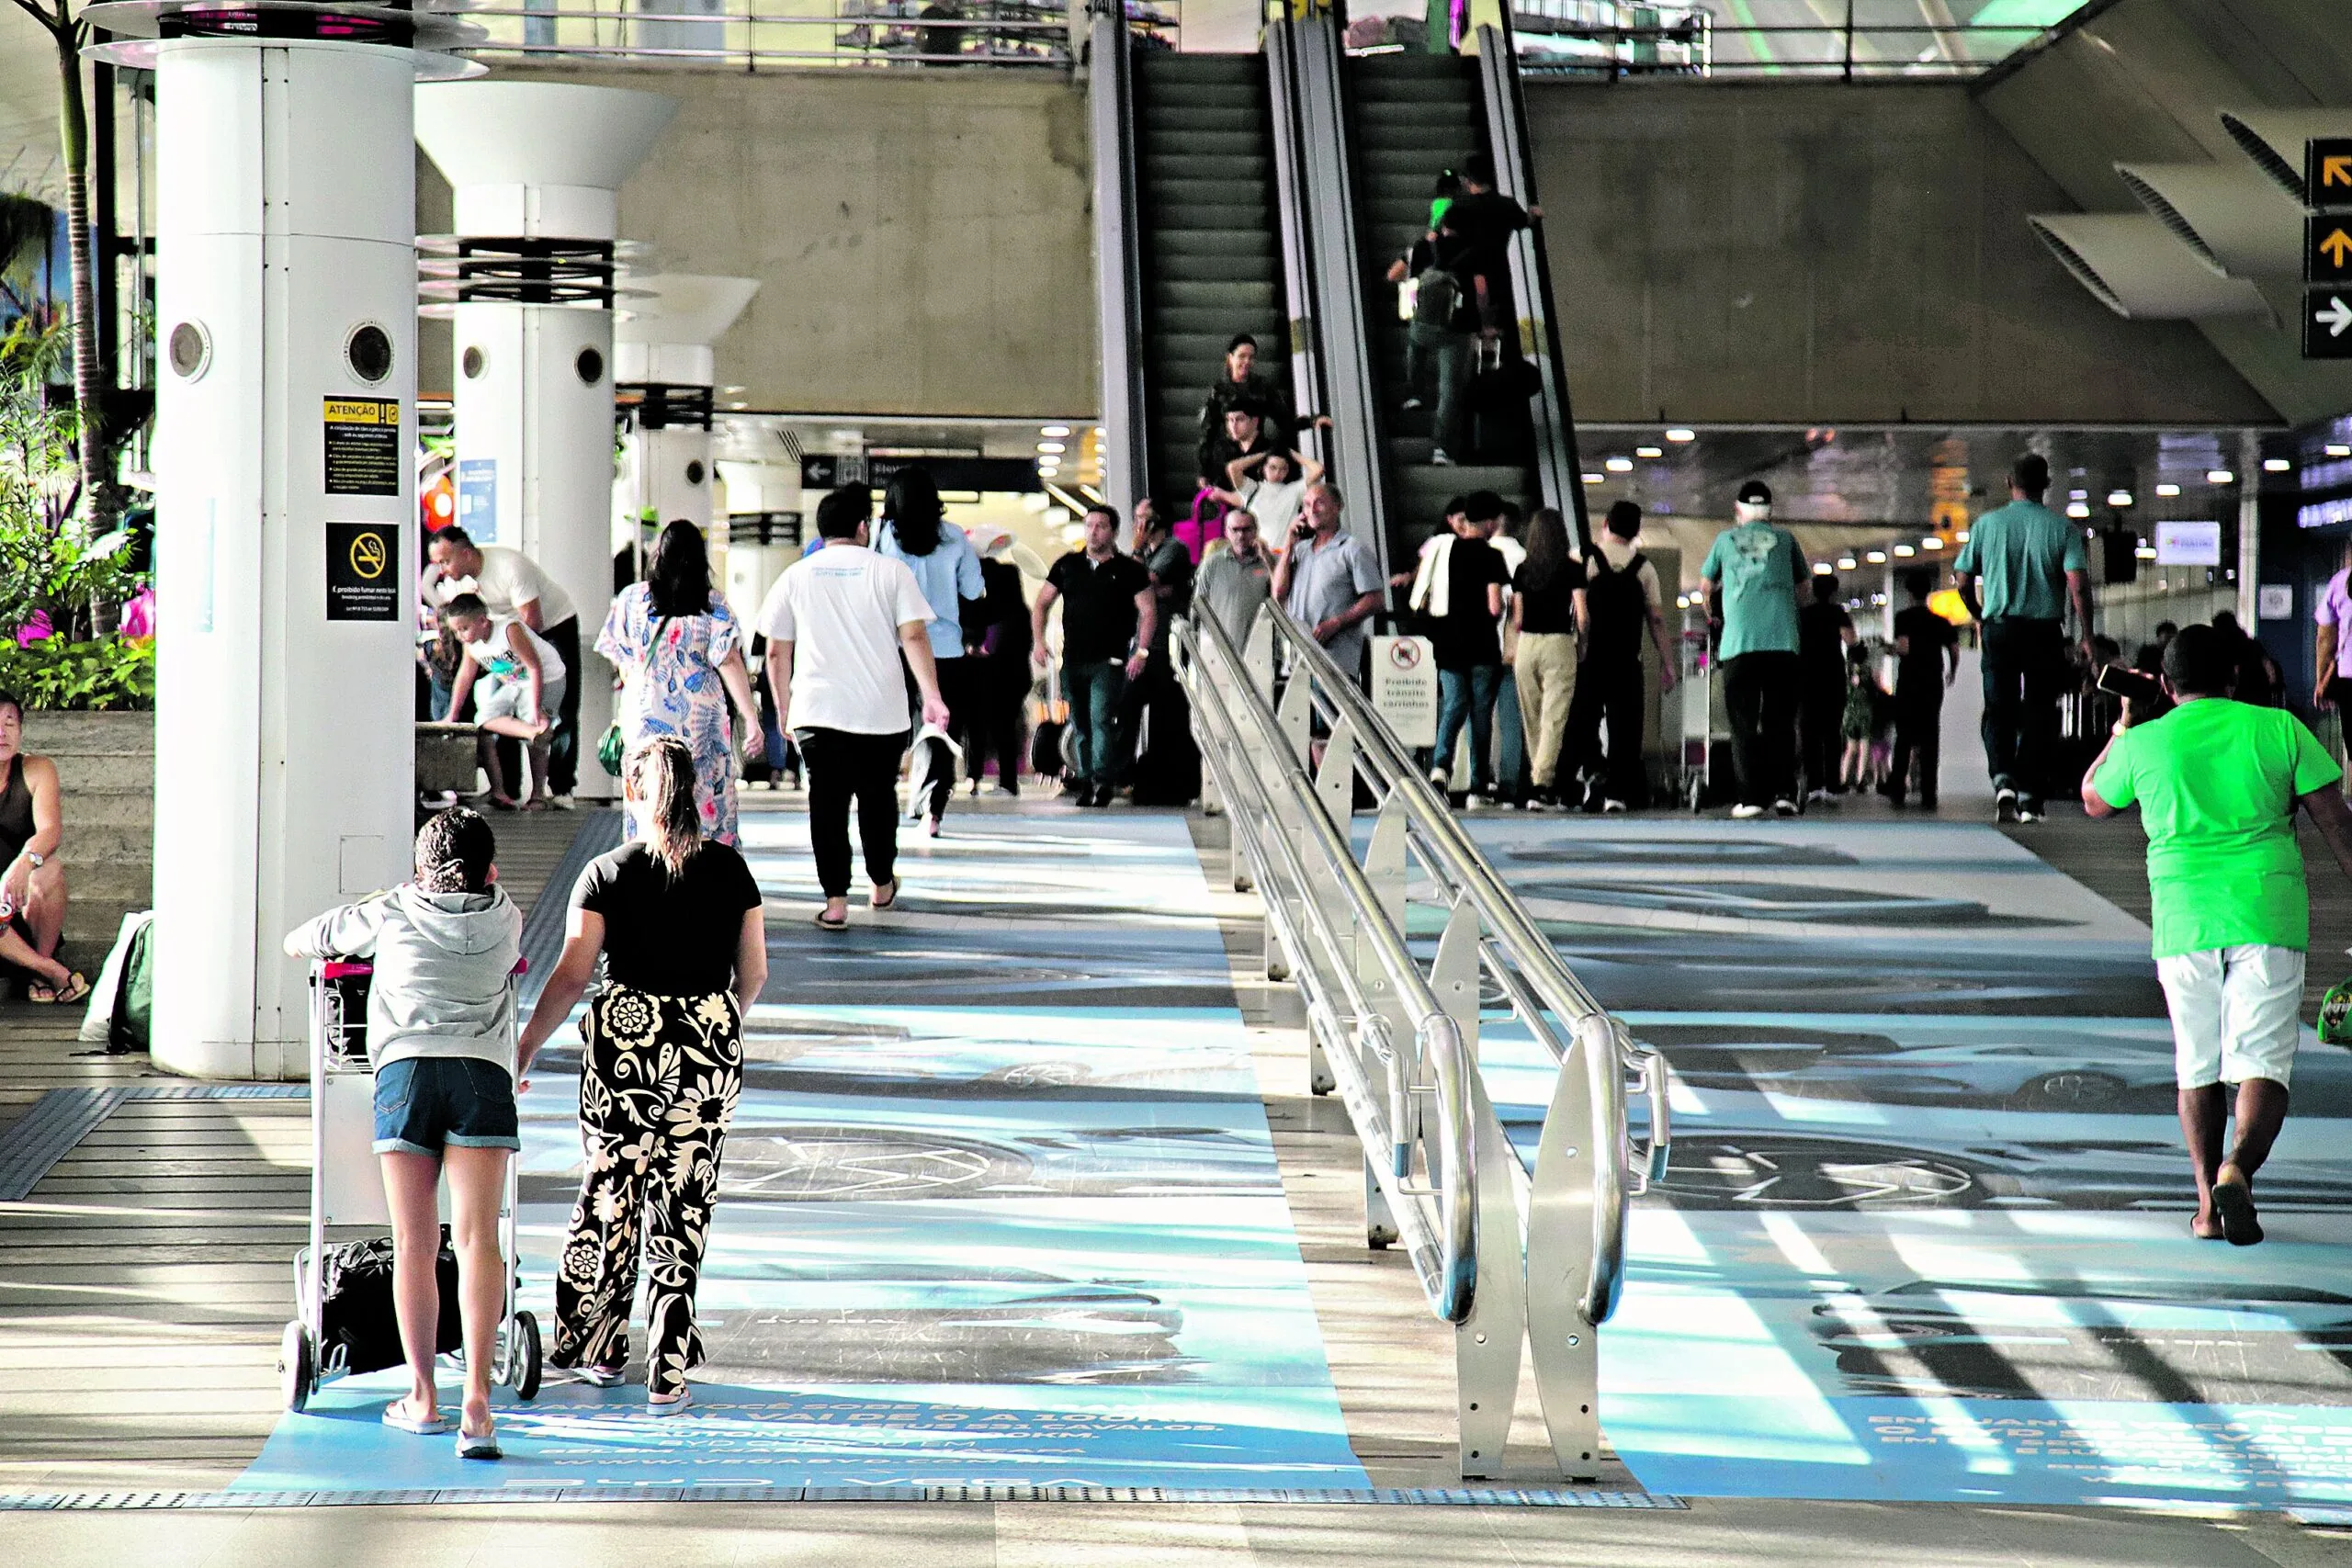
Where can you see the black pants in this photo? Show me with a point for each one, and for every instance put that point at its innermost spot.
(1918, 732)
(845, 765)
(1820, 716)
(1609, 692)
(563, 755)
(1760, 696)
(994, 730)
(2025, 670)
(1155, 722)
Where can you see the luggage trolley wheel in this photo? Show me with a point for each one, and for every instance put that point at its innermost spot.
(297, 1366)
(524, 1357)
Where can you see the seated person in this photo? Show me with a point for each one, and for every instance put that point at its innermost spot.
(441, 1037)
(1275, 493)
(525, 692)
(32, 884)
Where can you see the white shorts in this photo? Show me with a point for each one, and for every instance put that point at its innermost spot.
(2237, 1013)
(510, 699)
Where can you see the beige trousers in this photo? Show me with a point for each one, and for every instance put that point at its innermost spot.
(1546, 663)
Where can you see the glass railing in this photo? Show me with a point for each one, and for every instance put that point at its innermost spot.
(748, 34)
(1848, 40)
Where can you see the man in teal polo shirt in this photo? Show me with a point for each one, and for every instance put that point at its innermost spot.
(2021, 564)
(2217, 783)
(1750, 578)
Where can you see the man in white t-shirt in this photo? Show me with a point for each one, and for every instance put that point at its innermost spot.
(514, 587)
(838, 623)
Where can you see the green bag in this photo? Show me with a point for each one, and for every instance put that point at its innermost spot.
(609, 750)
(132, 1027)
(2335, 1015)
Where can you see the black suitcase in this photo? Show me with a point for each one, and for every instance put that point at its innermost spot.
(1045, 749)
(357, 1319)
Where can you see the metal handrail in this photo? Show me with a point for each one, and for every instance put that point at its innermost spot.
(1448, 853)
(1446, 1256)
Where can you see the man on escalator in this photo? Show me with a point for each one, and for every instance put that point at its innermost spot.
(1486, 220)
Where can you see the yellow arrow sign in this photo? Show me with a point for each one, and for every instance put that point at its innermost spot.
(2334, 172)
(2336, 246)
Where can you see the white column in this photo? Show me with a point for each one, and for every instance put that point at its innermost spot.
(286, 514)
(663, 343)
(536, 170)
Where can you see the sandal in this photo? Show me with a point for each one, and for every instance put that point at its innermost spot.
(76, 986)
(398, 1416)
(872, 902)
(830, 921)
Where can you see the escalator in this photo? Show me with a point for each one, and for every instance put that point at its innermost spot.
(1207, 246)
(1412, 117)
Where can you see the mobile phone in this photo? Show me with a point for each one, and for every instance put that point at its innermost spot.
(2135, 685)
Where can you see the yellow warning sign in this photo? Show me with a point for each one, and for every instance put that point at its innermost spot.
(362, 454)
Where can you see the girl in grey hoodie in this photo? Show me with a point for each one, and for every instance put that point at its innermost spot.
(441, 1037)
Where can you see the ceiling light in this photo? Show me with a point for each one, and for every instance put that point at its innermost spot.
(1619, 465)
(1592, 478)
(850, 437)
(1931, 543)
(2220, 476)
(1906, 551)
(2078, 509)
(1682, 435)
(1847, 563)
(1649, 452)
(2145, 552)
(1682, 601)
(1055, 431)
(2118, 498)
(2078, 495)
(1052, 448)
(1876, 557)
(2276, 465)
(2168, 490)
(2338, 449)
(1962, 536)
(1823, 568)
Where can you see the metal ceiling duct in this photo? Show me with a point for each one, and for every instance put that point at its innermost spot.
(2235, 221)
(2274, 139)
(2139, 270)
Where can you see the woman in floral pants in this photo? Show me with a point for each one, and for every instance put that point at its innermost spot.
(677, 918)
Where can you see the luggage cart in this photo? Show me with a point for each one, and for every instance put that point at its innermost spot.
(1694, 688)
(347, 1190)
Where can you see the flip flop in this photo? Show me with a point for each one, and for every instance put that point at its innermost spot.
(483, 1447)
(76, 987)
(669, 1407)
(396, 1415)
(2233, 1203)
(889, 903)
(832, 923)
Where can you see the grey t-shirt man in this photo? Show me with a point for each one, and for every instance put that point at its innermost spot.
(1232, 589)
(1326, 579)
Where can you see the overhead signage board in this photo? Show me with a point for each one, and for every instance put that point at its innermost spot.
(2327, 249)
(826, 470)
(2327, 323)
(2188, 543)
(2327, 172)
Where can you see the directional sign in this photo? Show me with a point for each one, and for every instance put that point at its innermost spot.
(2327, 323)
(2327, 172)
(2327, 249)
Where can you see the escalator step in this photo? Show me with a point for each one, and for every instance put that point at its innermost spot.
(1174, 290)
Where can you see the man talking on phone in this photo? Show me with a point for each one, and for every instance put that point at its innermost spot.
(2217, 783)
(1329, 581)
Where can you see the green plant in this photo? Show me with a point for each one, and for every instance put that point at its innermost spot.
(48, 567)
(104, 673)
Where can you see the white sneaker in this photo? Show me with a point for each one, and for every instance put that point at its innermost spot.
(1818, 797)
(1438, 780)
(1413, 403)
(2005, 806)
(1438, 458)
(1612, 808)
(1784, 808)
(563, 801)
(1742, 811)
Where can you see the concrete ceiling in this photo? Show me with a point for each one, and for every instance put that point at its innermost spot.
(2144, 81)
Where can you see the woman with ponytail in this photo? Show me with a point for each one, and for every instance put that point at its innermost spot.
(676, 918)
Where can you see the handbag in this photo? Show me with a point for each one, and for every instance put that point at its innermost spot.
(609, 751)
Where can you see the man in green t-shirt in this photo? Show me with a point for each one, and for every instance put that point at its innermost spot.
(2217, 783)
(1750, 578)
(2021, 567)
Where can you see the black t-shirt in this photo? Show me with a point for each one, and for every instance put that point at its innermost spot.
(1485, 220)
(1097, 604)
(1552, 608)
(1821, 643)
(1468, 635)
(1922, 670)
(674, 937)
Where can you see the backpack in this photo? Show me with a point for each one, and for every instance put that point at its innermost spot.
(1437, 297)
(135, 1000)
(1614, 602)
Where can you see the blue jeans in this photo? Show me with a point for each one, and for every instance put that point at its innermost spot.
(1093, 689)
(1469, 694)
(1510, 727)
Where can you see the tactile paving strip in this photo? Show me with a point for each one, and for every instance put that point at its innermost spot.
(1445, 1496)
(63, 1116)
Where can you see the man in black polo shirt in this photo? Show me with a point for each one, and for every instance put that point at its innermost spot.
(1108, 618)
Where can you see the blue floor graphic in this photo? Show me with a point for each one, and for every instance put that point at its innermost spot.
(1042, 1243)
(1926, 1237)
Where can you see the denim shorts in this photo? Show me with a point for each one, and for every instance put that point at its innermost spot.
(423, 1102)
